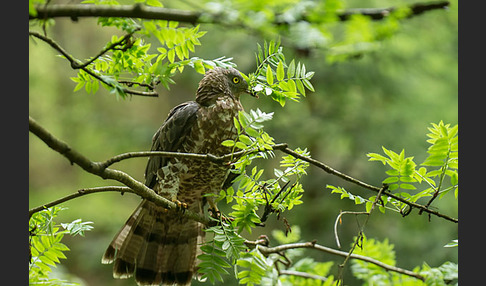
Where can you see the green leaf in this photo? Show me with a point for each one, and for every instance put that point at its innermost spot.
(291, 69)
(79, 86)
(308, 84)
(245, 139)
(171, 55)
(228, 143)
(252, 132)
(154, 3)
(280, 71)
(392, 187)
(453, 243)
(407, 186)
(300, 86)
(390, 180)
(392, 173)
(240, 145)
(199, 67)
(269, 75)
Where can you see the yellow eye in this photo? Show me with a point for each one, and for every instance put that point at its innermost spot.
(236, 80)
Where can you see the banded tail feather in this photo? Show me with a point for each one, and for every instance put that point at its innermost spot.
(156, 246)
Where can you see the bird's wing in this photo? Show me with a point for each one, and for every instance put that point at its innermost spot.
(170, 136)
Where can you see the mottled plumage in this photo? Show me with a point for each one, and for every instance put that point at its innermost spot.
(157, 246)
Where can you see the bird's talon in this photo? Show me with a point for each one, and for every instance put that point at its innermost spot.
(180, 206)
(215, 213)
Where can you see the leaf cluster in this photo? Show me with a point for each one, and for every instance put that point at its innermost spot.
(248, 196)
(308, 25)
(254, 266)
(133, 63)
(383, 251)
(276, 194)
(274, 77)
(45, 246)
(412, 181)
(226, 245)
(441, 163)
(358, 200)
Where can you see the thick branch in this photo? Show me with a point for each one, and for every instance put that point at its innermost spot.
(75, 11)
(95, 168)
(278, 249)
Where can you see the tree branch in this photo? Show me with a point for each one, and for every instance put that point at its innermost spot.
(301, 274)
(225, 159)
(95, 168)
(365, 185)
(75, 11)
(101, 168)
(381, 13)
(78, 194)
(281, 248)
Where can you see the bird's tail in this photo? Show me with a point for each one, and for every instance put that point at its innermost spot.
(157, 246)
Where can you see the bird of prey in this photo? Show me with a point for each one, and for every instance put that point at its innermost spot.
(160, 246)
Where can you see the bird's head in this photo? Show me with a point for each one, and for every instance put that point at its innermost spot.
(218, 81)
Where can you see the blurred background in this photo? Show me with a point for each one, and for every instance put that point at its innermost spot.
(387, 97)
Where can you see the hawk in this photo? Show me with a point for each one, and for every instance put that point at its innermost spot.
(160, 247)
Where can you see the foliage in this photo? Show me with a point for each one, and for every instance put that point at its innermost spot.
(308, 25)
(403, 176)
(442, 161)
(132, 62)
(225, 245)
(273, 77)
(152, 52)
(45, 244)
(383, 251)
(252, 192)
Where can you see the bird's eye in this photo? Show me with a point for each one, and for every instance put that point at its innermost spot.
(236, 80)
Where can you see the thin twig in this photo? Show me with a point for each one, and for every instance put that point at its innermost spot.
(112, 46)
(301, 274)
(76, 64)
(360, 236)
(338, 219)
